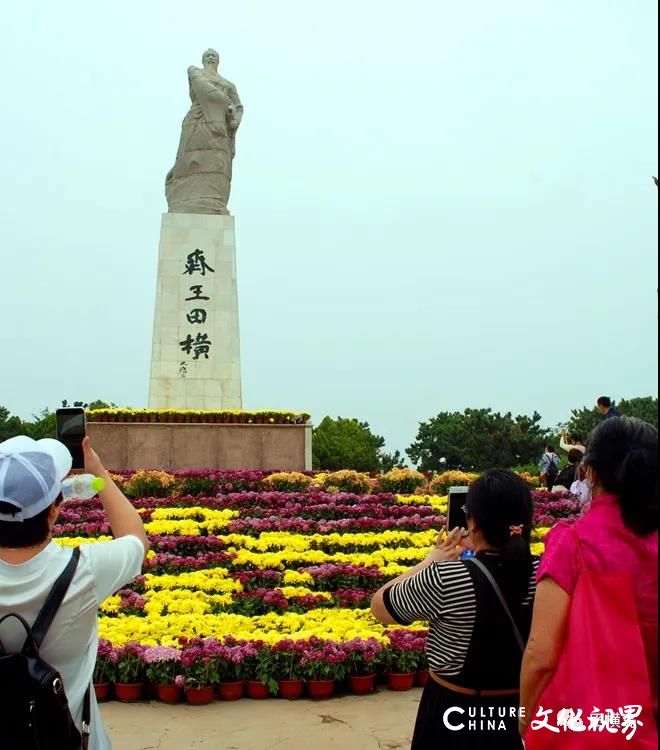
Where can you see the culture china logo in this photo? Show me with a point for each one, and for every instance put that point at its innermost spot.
(624, 720)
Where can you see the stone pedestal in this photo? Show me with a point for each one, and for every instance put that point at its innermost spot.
(195, 357)
(203, 446)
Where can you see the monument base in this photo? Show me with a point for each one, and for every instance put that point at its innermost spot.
(169, 447)
(195, 360)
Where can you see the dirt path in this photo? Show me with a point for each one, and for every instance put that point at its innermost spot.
(377, 722)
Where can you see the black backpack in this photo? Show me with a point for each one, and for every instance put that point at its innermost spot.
(553, 470)
(34, 709)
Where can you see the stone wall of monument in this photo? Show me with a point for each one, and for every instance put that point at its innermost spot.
(202, 446)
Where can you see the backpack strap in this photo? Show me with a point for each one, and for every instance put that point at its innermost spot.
(500, 596)
(54, 599)
(86, 716)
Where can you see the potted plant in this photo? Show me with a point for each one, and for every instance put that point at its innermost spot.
(130, 668)
(200, 663)
(104, 669)
(231, 656)
(285, 659)
(258, 670)
(402, 658)
(422, 675)
(363, 658)
(163, 668)
(323, 663)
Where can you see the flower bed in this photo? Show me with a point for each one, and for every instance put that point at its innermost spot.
(270, 587)
(177, 416)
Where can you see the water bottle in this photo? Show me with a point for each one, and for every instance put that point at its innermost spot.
(82, 487)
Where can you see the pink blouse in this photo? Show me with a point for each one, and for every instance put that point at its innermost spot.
(609, 546)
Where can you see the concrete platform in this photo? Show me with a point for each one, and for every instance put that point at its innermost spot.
(143, 445)
(383, 721)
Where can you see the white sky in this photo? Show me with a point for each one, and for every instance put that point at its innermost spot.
(438, 205)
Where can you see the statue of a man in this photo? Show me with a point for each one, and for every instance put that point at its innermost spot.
(200, 180)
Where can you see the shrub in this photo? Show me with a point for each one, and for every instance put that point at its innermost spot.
(149, 484)
(197, 485)
(530, 480)
(283, 481)
(402, 481)
(346, 480)
(441, 483)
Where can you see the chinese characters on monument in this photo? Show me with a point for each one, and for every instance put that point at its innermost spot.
(200, 344)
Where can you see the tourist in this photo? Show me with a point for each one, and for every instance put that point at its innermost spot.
(580, 487)
(570, 442)
(618, 534)
(605, 407)
(473, 647)
(569, 474)
(31, 474)
(549, 467)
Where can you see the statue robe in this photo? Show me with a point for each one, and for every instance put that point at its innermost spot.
(200, 181)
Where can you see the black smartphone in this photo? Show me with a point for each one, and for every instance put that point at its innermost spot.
(455, 503)
(71, 428)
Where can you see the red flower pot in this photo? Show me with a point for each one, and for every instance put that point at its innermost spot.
(102, 690)
(362, 685)
(320, 688)
(231, 691)
(403, 681)
(290, 689)
(257, 690)
(200, 696)
(169, 693)
(128, 692)
(421, 677)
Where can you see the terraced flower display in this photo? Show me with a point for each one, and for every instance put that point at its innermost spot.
(255, 568)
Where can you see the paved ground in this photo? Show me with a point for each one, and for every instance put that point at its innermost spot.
(376, 722)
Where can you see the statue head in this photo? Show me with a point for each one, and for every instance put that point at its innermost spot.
(211, 59)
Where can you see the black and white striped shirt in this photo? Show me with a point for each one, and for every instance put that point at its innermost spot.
(443, 594)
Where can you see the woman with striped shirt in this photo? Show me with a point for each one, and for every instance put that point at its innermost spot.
(479, 614)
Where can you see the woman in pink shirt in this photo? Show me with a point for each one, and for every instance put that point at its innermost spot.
(618, 534)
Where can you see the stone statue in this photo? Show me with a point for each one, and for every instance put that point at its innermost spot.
(200, 180)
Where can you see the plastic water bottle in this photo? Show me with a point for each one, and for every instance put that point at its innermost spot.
(82, 487)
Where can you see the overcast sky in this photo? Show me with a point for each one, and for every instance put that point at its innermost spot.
(438, 205)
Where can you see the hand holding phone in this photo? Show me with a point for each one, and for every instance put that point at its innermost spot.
(71, 427)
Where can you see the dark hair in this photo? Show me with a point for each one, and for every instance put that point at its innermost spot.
(605, 401)
(550, 448)
(28, 533)
(497, 501)
(624, 454)
(574, 456)
(576, 437)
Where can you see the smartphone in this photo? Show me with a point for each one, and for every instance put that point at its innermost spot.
(455, 503)
(71, 428)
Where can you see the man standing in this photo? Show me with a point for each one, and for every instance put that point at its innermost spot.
(549, 467)
(605, 407)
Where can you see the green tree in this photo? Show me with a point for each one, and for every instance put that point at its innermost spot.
(389, 461)
(9, 426)
(346, 444)
(477, 439)
(584, 421)
(642, 407)
(42, 426)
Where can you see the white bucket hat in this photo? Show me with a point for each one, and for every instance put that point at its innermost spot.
(31, 474)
